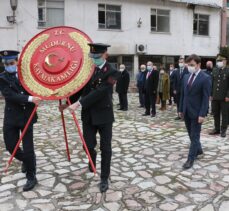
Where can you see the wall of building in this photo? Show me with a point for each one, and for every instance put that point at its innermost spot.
(83, 14)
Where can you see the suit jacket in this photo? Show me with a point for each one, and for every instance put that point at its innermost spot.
(151, 83)
(172, 77)
(17, 107)
(141, 78)
(96, 96)
(123, 82)
(194, 100)
(178, 79)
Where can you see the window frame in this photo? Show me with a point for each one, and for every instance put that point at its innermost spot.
(45, 7)
(198, 19)
(105, 18)
(156, 15)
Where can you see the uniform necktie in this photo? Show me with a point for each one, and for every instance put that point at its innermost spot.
(191, 80)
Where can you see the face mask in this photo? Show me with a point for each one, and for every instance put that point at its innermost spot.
(181, 65)
(121, 69)
(11, 68)
(191, 69)
(171, 68)
(149, 68)
(162, 72)
(143, 70)
(98, 61)
(219, 64)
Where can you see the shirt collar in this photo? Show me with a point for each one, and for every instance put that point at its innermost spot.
(102, 65)
(196, 74)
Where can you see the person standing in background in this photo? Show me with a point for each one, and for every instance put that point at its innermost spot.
(163, 88)
(220, 96)
(122, 88)
(141, 77)
(150, 89)
(171, 78)
(178, 81)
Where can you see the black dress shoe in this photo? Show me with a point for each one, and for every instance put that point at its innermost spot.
(214, 132)
(125, 109)
(120, 109)
(200, 154)
(223, 134)
(103, 186)
(145, 114)
(23, 168)
(30, 184)
(177, 118)
(153, 115)
(188, 164)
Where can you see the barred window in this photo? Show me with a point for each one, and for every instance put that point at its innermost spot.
(50, 13)
(109, 16)
(160, 20)
(201, 24)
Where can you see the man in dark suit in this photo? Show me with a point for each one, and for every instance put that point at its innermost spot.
(171, 72)
(18, 108)
(178, 80)
(122, 88)
(220, 96)
(97, 109)
(150, 88)
(194, 103)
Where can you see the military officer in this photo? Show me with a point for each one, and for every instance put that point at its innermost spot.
(18, 108)
(220, 96)
(97, 109)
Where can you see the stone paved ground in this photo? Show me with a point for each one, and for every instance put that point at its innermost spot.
(146, 167)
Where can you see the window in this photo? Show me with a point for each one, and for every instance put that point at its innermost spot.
(50, 13)
(109, 16)
(227, 3)
(201, 24)
(160, 20)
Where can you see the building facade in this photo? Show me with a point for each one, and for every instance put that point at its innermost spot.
(137, 30)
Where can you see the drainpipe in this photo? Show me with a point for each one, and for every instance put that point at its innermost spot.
(224, 24)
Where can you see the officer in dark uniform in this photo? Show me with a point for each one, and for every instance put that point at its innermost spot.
(220, 96)
(97, 109)
(18, 108)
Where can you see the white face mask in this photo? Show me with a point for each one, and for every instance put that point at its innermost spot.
(219, 64)
(181, 65)
(143, 70)
(191, 69)
(121, 69)
(162, 72)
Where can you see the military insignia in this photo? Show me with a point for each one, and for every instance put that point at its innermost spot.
(5, 53)
(105, 69)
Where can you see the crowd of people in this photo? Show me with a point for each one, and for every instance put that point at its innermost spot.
(195, 92)
(187, 86)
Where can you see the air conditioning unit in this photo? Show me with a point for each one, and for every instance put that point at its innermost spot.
(141, 48)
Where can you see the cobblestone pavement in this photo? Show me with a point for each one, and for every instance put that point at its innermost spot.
(146, 173)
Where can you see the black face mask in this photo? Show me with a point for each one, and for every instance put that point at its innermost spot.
(209, 68)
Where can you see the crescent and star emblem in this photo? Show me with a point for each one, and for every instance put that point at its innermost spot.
(48, 60)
